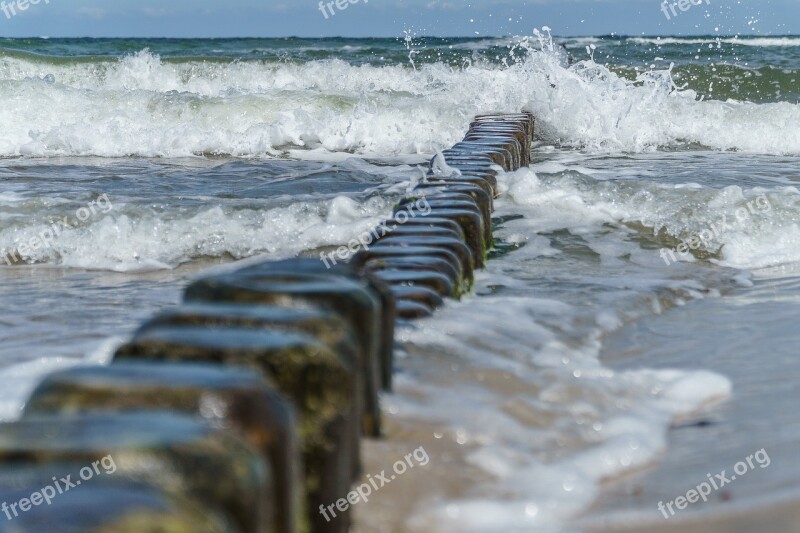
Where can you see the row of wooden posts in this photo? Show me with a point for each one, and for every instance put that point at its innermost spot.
(242, 410)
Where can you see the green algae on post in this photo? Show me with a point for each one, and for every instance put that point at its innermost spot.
(481, 194)
(378, 290)
(320, 383)
(323, 325)
(482, 202)
(227, 397)
(357, 306)
(178, 454)
(471, 223)
(106, 505)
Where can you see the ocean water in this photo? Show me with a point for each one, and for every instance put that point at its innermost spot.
(580, 363)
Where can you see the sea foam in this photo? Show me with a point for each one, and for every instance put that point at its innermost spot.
(144, 106)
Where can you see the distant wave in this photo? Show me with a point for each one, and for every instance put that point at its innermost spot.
(143, 105)
(745, 41)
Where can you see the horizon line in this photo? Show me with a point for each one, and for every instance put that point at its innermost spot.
(472, 37)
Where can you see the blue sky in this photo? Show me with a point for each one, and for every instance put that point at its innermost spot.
(269, 18)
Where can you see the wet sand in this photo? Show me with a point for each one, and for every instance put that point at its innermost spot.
(760, 415)
(766, 517)
(447, 476)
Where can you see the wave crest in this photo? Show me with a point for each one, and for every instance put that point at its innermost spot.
(141, 105)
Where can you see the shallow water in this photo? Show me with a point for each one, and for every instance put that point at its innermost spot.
(73, 293)
(549, 383)
(735, 335)
(140, 214)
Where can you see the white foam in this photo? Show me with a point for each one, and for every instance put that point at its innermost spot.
(757, 41)
(19, 380)
(607, 423)
(128, 239)
(141, 105)
(525, 394)
(751, 227)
